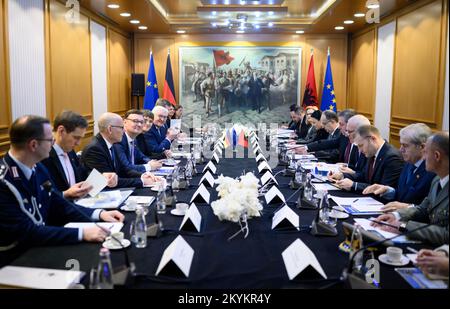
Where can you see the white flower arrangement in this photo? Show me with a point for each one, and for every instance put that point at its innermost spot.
(237, 198)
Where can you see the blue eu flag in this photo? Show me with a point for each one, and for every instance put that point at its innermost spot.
(328, 97)
(151, 88)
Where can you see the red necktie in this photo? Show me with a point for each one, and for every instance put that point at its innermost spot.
(347, 152)
(371, 168)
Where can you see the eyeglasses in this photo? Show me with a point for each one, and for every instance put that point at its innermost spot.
(120, 127)
(51, 140)
(135, 121)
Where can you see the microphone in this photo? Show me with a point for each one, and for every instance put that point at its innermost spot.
(347, 272)
(319, 227)
(121, 274)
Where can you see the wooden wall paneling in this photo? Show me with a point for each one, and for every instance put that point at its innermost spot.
(362, 81)
(69, 65)
(419, 69)
(5, 116)
(119, 72)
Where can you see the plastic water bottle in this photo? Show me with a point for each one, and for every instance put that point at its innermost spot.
(104, 271)
(326, 210)
(140, 228)
(308, 192)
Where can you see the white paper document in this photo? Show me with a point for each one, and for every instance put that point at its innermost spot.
(209, 178)
(113, 227)
(144, 200)
(360, 204)
(211, 167)
(105, 200)
(324, 187)
(194, 216)
(274, 193)
(39, 278)
(297, 257)
(286, 213)
(175, 124)
(365, 224)
(181, 253)
(164, 171)
(202, 193)
(97, 181)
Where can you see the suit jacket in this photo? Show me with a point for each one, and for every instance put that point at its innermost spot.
(56, 170)
(157, 142)
(357, 160)
(329, 149)
(96, 155)
(123, 151)
(318, 135)
(18, 231)
(310, 135)
(418, 187)
(433, 210)
(144, 147)
(387, 170)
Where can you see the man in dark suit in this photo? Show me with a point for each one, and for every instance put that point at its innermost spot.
(414, 183)
(299, 124)
(428, 221)
(63, 164)
(31, 213)
(129, 154)
(159, 138)
(332, 149)
(102, 155)
(384, 163)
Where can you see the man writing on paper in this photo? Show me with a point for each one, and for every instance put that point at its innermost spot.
(63, 164)
(434, 208)
(31, 213)
(415, 181)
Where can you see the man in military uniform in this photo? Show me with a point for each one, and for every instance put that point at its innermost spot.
(32, 211)
(432, 213)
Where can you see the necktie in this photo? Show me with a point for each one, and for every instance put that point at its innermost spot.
(112, 156)
(371, 168)
(70, 175)
(132, 152)
(347, 152)
(438, 190)
(410, 174)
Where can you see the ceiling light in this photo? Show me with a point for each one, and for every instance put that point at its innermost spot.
(299, 31)
(348, 22)
(339, 28)
(113, 6)
(125, 14)
(214, 13)
(143, 27)
(240, 31)
(360, 15)
(135, 21)
(270, 24)
(181, 31)
(373, 6)
(214, 24)
(243, 2)
(226, 2)
(270, 13)
(257, 26)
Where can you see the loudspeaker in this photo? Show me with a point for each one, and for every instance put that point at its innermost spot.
(137, 84)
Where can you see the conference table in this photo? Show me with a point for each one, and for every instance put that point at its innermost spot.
(242, 263)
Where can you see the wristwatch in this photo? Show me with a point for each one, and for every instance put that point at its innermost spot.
(402, 228)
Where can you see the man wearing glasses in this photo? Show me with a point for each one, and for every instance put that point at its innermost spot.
(159, 138)
(63, 164)
(31, 213)
(129, 153)
(103, 156)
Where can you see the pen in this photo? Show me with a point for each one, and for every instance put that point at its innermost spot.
(412, 250)
(384, 223)
(356, 200)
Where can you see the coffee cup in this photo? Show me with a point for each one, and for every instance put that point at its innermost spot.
(394, 254)
(182, 207)
(115, 239)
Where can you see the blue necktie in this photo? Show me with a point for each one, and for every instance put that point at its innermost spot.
(113, 157)
(410, 173)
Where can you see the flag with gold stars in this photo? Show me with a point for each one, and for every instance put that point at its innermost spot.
(328, 96)
(151, 87)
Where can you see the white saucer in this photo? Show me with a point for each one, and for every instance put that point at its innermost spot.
(109, 245)
(338, 214)
(127, 208)
(384, 258)
(175, 212)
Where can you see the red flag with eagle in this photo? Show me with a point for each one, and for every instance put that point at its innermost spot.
(169, 89)
(221, 57)
(310, 96)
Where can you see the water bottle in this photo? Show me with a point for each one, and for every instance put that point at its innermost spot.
(326, 210)
(308, 191)
(140, 228)
(161, 202)
(104, 271)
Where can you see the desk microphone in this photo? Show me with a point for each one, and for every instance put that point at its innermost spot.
(321, 228)
(121, 273)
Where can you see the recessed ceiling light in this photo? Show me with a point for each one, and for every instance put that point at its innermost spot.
(257, 26)
(339, 28)
(125, 14)
(214, 13)
(270, 13)
(113, 6)
(226, 2)
(181, 31)
(243, 2)
(270, 24)
(135, 21)
(373, 6)
(299, 31)
(240, 31)
(360, 15)
(214, 24)
(348, 22)
(143, 27)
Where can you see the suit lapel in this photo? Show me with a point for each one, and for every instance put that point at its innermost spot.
(106, 151)
(442, 194)
(57, 162)
(379, 161)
